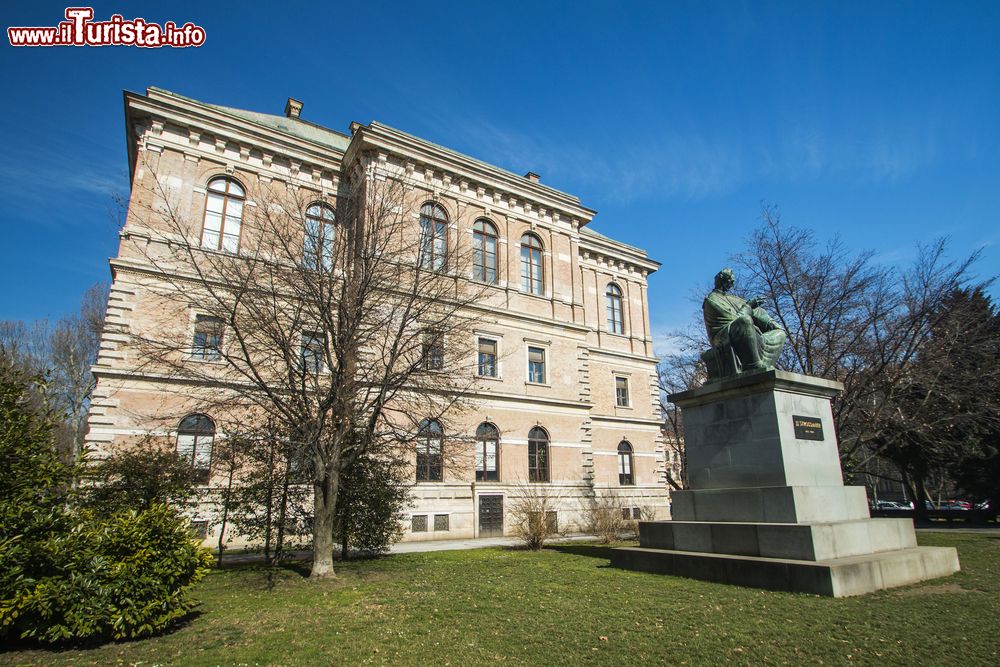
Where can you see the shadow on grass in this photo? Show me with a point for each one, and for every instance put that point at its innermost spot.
(29, 644)
(590, 550)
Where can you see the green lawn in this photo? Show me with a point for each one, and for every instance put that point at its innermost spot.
(562, 606)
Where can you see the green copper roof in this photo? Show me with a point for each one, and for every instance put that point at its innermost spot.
(293, 126)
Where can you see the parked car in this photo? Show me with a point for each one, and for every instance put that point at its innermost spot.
(889, 505)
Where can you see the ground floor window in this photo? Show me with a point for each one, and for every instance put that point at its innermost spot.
(487, 453)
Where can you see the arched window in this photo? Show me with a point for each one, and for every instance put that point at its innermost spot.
(616, 317)
(195, 436)
(430, 437)
(484, 251)
(625, 476)
(538, 455)
(223, 215)
(433, 236)
(487, 453)
(317, 251)
(532, 278)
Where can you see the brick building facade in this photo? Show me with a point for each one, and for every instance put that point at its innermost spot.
(565, 356)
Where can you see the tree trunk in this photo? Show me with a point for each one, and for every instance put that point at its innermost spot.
(919, 503)
(226, 499)
(282, 513)
(269, 517)
(324, 516)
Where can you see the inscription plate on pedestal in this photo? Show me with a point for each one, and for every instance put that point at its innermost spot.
(808, 428)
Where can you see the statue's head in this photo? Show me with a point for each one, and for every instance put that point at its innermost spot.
(724, 280)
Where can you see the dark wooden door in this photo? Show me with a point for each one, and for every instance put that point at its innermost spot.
(490, 516)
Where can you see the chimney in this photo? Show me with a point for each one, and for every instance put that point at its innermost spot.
(532, 176)
(293, 108)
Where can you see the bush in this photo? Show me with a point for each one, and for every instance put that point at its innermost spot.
(66, 573)
(121, 578)
(607, 519)
(138, 478)
(371, 503)
(533, 511)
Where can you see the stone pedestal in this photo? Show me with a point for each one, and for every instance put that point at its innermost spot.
(767, 505)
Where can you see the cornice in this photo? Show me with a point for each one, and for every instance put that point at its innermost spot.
(419, 155)
(199, 120)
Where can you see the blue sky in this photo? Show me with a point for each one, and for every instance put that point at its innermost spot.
(879, 121)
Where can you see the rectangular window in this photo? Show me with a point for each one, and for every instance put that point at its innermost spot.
(487, 358)
(636, 513)
(440, 522)
(621, 392)
(626, 513)
(199, 529)
(207, 345)
(536, 365)
(418, 523)
(432, 352)
(312, 352)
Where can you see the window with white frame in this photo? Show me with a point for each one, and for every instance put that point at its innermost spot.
(484, 251)
(311, 351)
(487, 361)
(532, 276)
(487, 453)
(536, 365)
(625, 476)
(538, 455)
(320, 234)
(430, 442)
(433, 236)
(621, 391)
(223, 215)
(432, 351)
(195, 436)
(207, 343)
(616, 315)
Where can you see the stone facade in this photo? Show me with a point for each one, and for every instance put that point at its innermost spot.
(187, 143)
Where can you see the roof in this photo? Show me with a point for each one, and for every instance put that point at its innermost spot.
(296, 127)
(587, 231)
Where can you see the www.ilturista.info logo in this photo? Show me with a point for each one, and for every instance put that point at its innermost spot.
(79, 29)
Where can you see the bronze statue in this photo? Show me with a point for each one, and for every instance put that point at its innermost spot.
(744, 337)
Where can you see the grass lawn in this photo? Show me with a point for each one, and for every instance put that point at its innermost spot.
(561, 606)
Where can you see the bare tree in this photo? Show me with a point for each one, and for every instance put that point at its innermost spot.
(64, 353)
(850, 319)
(74, 345)
(676, 373)
(342, 321)
(533, 514)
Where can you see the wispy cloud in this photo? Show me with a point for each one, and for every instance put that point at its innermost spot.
(31, 184)
(639, 162)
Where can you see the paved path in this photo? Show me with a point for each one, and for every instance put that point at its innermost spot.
(411, 547)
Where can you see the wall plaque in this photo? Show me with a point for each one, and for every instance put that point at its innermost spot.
(808, 428)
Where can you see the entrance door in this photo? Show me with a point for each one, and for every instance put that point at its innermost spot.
(490, 516)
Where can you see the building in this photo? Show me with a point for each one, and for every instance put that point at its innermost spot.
(565, 350)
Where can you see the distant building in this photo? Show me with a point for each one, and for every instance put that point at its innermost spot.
(569, 394)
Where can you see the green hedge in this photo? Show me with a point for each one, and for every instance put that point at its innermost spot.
(115, 578)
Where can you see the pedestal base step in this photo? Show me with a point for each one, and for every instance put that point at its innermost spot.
(837, 577)
(802, 541)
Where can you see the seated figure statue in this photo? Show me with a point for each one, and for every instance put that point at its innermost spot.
(744, 337)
